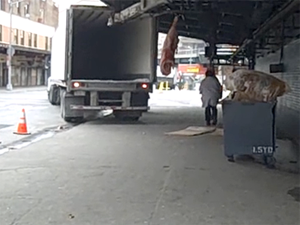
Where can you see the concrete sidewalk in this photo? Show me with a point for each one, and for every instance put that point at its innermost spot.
(104, 172)
(23, 89)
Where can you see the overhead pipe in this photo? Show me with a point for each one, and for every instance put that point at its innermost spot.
(285, 10)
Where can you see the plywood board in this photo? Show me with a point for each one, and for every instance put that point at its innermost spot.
(192, 131)
(218, 132)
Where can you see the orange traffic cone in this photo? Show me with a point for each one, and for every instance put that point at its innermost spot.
(22, 127)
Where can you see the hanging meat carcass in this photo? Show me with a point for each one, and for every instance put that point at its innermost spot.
(255, 86)
(167, 61)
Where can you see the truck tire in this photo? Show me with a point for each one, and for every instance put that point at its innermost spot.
(63, 109)
(54, 95)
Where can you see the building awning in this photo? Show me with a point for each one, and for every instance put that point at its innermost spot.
(20, 50)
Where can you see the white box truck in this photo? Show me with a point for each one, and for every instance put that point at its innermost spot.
(97, 67)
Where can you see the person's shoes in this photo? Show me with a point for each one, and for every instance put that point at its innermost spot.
(208, 124)
(214, 123)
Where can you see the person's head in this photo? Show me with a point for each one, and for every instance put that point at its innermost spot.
(210, 72)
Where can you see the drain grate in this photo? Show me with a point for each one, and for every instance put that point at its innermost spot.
(2, 126)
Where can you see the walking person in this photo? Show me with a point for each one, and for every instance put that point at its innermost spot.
(211, 91)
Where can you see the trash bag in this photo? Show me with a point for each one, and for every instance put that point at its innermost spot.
(255, 86)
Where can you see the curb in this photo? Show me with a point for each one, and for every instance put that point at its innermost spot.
(35, 137)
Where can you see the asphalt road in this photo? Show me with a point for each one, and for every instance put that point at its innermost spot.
(41, 115)
(104, 172)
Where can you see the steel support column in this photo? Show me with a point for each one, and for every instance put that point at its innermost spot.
(251, 52)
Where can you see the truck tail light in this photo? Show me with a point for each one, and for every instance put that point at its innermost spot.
(76, 84)
(144, 86)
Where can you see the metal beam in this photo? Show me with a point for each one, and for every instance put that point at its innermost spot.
(136, 10)
(185, 25)
(201, 36)
(201, 33)
(285, 37)
(285, 11)
(191, 34)
(186, 12)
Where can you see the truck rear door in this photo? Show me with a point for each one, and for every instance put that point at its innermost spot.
(69, 37)
(138, 44)
(132, 47)
(76, 15)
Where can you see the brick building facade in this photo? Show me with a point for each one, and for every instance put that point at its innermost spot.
(34, 23)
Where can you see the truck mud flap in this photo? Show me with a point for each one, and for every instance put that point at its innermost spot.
(97, 108)
(66, 101)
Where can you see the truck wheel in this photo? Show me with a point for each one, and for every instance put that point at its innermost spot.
(54, 95)
(63, 106)
(63, 109)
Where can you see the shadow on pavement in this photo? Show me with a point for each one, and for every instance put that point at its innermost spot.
(178, 117)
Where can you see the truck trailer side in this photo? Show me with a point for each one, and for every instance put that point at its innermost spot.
(103, 67)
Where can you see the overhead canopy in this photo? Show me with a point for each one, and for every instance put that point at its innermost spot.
(215, 21)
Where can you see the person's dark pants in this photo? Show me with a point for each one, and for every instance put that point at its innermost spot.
(211, 114)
